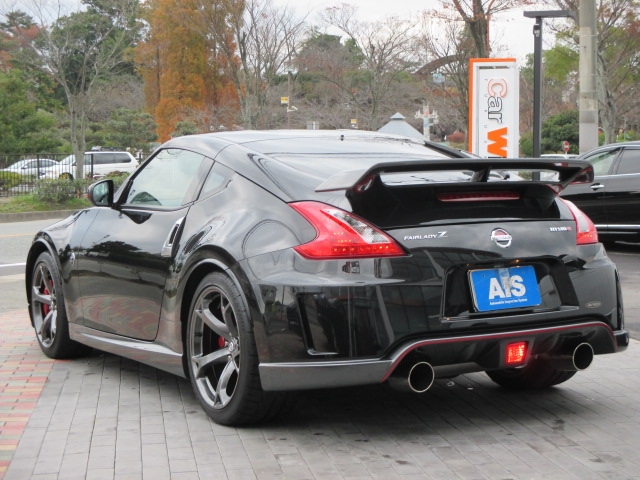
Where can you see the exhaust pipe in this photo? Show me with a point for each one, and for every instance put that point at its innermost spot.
(412, 377)
(579, 359)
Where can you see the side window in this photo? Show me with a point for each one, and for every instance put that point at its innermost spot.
(629, 161)
(602, 161)
(102, 158)
(166, 180)
(121, 158)
(217, 180)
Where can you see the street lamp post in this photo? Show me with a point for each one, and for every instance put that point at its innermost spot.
(537, 70)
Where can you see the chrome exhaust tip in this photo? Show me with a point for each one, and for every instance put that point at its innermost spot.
(412, 377)
(578, 359)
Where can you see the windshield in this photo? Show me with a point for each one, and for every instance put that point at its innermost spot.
(18, 164)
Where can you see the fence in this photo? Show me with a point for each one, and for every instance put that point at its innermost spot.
(19, 173)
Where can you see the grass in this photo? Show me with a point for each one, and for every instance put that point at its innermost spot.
(29, 203)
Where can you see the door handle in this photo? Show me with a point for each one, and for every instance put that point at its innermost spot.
(167, 248)
(596, 186)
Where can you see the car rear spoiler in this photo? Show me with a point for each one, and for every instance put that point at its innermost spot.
(569, 171)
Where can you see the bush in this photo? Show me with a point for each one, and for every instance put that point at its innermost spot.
(8, 180)
(59, 190)
(118, 178)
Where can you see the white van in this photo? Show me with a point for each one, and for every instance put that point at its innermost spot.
(96, 164)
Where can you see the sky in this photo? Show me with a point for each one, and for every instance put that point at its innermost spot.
(512, 30)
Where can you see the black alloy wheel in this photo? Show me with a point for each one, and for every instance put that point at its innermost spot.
(48, 311)
(222, 356)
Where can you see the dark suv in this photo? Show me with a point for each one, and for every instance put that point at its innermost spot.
(612, 200)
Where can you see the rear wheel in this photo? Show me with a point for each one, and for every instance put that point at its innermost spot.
(48, 311)
(537, 374)
(222, 356)
(66, 176)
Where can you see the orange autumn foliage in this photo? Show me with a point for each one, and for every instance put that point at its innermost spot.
(181, 72)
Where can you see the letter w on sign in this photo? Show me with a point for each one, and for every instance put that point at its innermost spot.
(498, 142)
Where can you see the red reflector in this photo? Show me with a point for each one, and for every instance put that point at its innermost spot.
(477, 196)
(515, 353)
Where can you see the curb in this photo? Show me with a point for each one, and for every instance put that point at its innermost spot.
(28, 216)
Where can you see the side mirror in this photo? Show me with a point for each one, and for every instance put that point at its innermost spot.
(101, 193)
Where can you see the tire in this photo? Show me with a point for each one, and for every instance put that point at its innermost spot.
(66, 176)
(222, 357)
(48, 311)
(538, 374)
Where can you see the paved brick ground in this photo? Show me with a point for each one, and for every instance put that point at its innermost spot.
(103, 417)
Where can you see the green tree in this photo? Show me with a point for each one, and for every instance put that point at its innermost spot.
(557, 129)
(130, 128)
(81, 50)
(23, 127)
(185, 127)
(618, 44)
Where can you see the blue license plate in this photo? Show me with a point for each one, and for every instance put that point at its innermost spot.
(502, 288)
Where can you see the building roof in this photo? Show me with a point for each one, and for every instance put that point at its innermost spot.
(398, 126)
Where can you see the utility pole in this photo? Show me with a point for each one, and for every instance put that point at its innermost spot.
(588, 101)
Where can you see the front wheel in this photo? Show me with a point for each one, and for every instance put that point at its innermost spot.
(48, 311)
(66, 176)
(222, 356)
(538, 374)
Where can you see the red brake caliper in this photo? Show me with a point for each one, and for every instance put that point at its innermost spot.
(45, 308)
(221, 342)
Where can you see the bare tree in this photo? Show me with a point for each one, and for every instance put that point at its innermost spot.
(386, 54)
(259, 41)
(476, 16)
(446, 51)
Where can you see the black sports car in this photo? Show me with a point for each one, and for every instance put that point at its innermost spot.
(256, 263)
(612, 199)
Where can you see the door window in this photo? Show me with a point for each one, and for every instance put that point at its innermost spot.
(629, 162)
(167, 180)
(602, 161)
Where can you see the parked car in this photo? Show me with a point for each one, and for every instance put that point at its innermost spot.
(261, 262)
(612, 199)
(30, 166)
(96, 164)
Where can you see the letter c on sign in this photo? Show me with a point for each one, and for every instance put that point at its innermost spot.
(497, 87)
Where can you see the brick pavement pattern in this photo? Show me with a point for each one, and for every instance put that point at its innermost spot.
(103, 417)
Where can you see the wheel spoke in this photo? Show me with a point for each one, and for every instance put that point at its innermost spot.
(228, 316)
(222, 395)
(202, 362)
(211, 321)
(43, 298)
(47, 330)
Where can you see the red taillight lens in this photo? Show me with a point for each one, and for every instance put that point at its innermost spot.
(515, 353)
(585, 229)
(342, 235)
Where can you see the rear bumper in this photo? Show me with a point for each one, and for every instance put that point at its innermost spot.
(450, 355)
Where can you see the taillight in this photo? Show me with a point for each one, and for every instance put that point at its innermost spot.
(342, 235)
(585, 229)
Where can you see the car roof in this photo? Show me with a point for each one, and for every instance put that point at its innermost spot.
(292, 163)
(610, 146)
